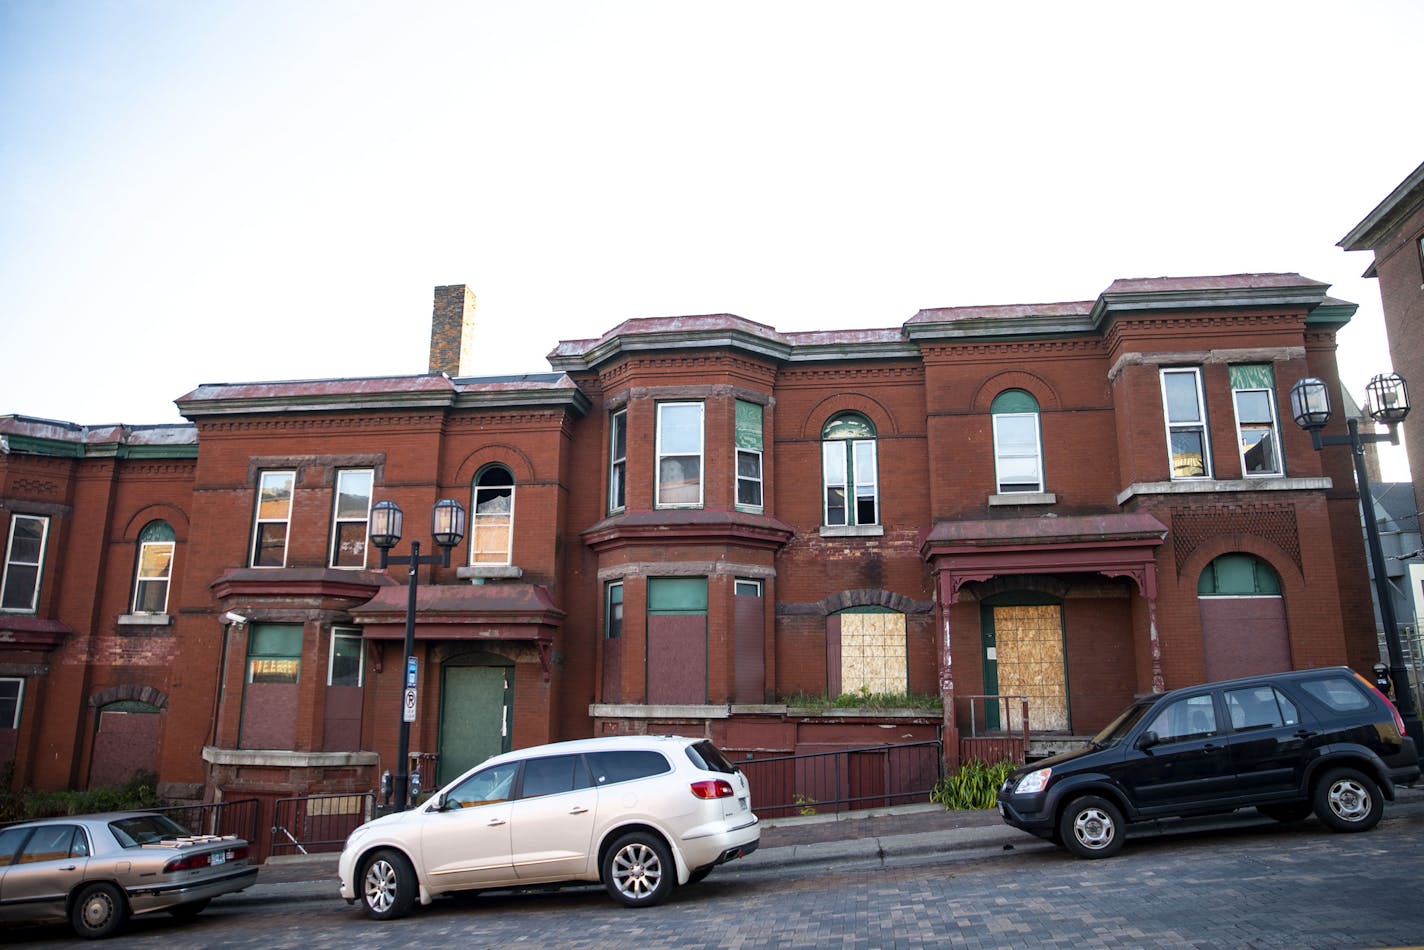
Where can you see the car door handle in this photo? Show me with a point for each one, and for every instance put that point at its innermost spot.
(70, 867)
(496, 822)
(1211, 747)
(578, 810)
(1305, 733)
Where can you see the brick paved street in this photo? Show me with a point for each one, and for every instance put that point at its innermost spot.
(1260, 886)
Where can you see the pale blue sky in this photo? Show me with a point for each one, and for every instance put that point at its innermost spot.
(199, 192)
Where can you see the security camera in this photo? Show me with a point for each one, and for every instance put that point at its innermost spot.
(232, 617)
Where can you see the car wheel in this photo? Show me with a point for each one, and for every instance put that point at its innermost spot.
(1091, 827)
(387, 885)
(1293, 811)
(99, 911)
(190, 909)
(1347, 800)
(700, 874)
(638, 870)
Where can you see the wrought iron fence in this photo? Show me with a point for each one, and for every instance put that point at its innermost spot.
(235, 817)
(318, 823)
(844, 780)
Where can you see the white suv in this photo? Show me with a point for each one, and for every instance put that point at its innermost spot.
(642, 814)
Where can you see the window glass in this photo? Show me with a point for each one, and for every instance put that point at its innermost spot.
(618, 461)
(346, 668)
(1339, 693)
(1253, 393)
(679, 450)
(140, 830)
(1260, 707)
(12, 690)
(274, 653)
(1188, 718)
(24, 558)
(552, 775)
(352, 517)
(155, 567)
(709, 758)
(10, 841)
(493, 527)
(748, 439)
(1238, 575)
(624, 766)
(613, 612)
(1186, 423)
(48, 843)
(849, 471)
(747, 588)
(274, 507)
(484, 787)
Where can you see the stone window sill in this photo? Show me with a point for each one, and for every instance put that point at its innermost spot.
(852, 531)
(1023, 498)
(145, 620)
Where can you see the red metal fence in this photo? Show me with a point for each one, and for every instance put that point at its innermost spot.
(318, 823)
(843, 780)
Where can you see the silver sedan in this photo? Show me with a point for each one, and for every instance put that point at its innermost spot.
(96, 870)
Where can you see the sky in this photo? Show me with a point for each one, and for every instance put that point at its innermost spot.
(198, 192)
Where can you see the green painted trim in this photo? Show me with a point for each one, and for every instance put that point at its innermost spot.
(1013, 400)
(677, 595)
(1252, 376)
(748, 434)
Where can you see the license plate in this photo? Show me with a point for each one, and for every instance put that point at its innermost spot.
(217, 857)
(742, 804)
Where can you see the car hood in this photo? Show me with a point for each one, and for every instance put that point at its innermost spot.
(393, 819)
(1085, 756)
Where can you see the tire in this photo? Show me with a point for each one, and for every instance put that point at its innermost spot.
(98, 911)
(700, 874)
(1092, 827)
(190, 910)
(386, 885)
(1347, 800)
(638, 870)
(1289, 811)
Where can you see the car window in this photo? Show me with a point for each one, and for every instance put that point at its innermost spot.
(1117, 730)
(484, 787)
(624, 766)
(1187, 718)
(10, 841)
(709, 758)
(1339, 693)
(554, 774)
(48, 843)
(1260, 707)
(139, 830)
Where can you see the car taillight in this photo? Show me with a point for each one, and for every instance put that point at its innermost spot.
(1398, 719)
(189, 862)
(712, 788)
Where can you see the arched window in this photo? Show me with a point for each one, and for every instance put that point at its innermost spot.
(1018, 444)
(154, 568)
(492, 530)
(849, 471)
(1243, 618)
(1238, 575)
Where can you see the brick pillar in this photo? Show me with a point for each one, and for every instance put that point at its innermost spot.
(452, 327)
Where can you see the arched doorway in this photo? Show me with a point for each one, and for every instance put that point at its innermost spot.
(125, 742)
(1243, 618)
(476, 711)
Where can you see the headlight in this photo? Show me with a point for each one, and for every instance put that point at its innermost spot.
(1033, 782)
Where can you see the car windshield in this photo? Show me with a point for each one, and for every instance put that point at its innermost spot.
(1118, 729)
(139, 830)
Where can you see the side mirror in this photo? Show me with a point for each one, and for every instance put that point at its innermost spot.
(1147, 740)
(440, 804)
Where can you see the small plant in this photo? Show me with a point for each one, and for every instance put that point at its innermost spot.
(863, 698)
(137, 793)
(805, 804)
(974, 786)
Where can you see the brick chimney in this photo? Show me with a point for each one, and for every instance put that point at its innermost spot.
(452, 329)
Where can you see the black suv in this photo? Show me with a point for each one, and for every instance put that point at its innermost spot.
(1322, 740)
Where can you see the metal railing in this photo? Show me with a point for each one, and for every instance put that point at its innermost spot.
(318, 823)
(844, 780)
(235, 817)
(994, 715)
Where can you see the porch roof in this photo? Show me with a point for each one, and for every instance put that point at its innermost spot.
(462, 612)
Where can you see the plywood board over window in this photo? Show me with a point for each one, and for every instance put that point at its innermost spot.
(1029, 645)
(873, 654)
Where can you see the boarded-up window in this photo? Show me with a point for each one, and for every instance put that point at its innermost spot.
(1028, 655)
(1243, 618)
(677, 640)
(873, 655)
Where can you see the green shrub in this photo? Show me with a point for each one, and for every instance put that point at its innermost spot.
(974, 786)
(863, 698)
(137, 793)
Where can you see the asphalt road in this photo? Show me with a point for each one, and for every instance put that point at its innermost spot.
(1254, 885)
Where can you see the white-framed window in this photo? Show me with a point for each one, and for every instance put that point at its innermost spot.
(1253, 393)
(24, 563)
(350, 516)
(155, 568)
(748, 438)
(1188, 444)
(613, 610)
(492, 528)
(848, 471)
(274, 514)
(1018, 443)
(618, 460)
(679, 455)
(12, 695)
(746, 588)
(344, 668)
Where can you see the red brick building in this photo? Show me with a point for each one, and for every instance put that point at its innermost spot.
(692, 524)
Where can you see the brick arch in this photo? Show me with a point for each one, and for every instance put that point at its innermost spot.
(1030, 383)
(176, 517)
(1283, 562)
(518, 463)
(872, 597)
(1012, 583)
(129, 692)
(872, 409)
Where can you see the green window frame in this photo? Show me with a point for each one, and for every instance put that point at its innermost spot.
(749, 456)
(849, 472)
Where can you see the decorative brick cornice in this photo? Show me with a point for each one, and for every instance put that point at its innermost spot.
(1275, 524)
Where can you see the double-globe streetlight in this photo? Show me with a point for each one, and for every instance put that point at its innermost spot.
(447, 527)
(1387, 403)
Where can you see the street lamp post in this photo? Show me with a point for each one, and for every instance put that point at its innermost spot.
(1388, 403)
(447, 527)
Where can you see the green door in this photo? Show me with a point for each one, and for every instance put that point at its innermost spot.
(476, 711)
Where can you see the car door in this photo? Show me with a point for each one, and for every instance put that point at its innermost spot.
(1189, 765)
(1269, 741)
(551, 823)
(41, 875)
(466, 844)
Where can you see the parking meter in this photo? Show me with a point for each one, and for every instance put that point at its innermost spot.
(386, 789)
(1382, 678)
(414, 786)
